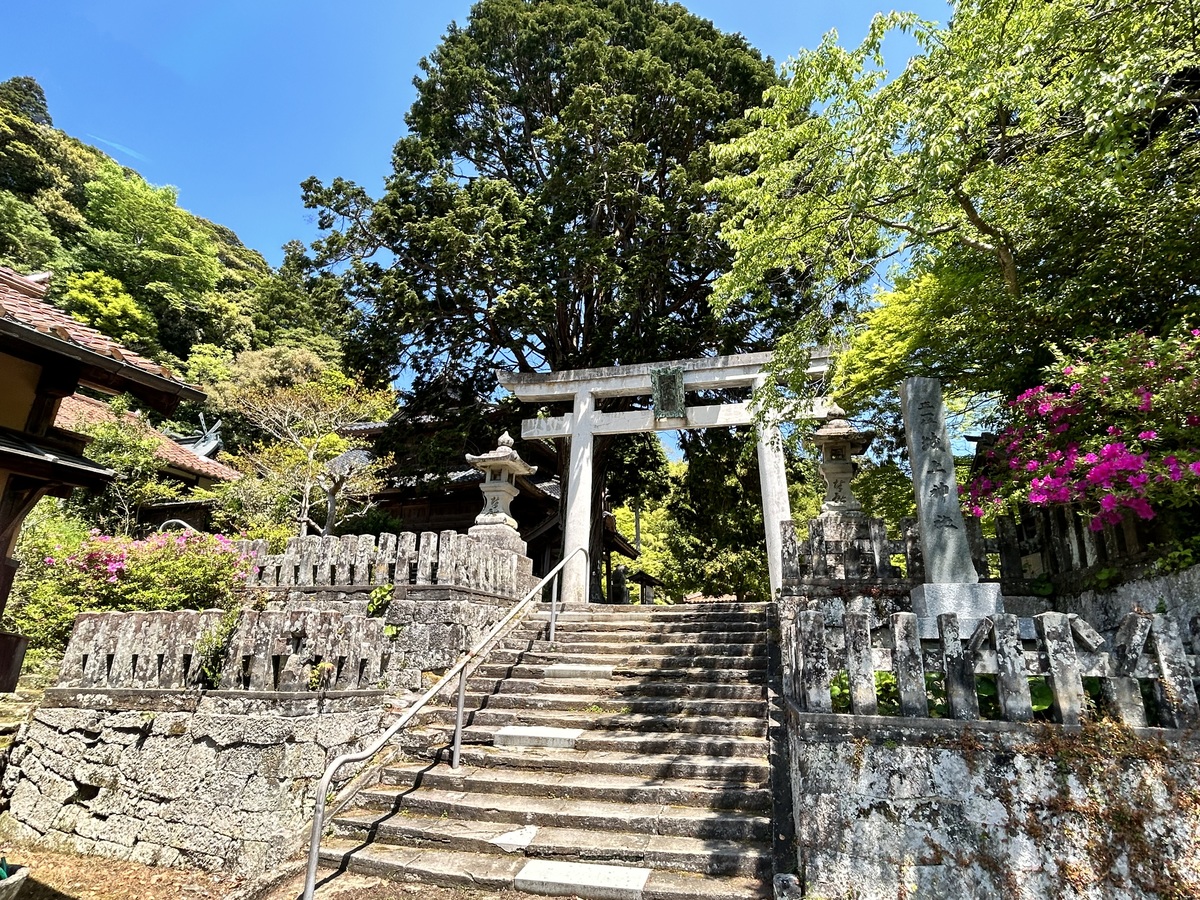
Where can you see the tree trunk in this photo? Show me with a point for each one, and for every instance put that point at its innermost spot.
(331, 494)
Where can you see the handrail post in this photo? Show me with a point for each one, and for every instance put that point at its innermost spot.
(459, 669)
(458, 720)
(554, 604)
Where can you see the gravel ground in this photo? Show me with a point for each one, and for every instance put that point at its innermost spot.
(67, 876)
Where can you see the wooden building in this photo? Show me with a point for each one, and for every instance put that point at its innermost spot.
(178, 463)
(45, 356)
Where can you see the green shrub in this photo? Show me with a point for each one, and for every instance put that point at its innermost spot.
(66, 570)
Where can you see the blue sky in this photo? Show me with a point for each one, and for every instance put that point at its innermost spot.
(235, 103)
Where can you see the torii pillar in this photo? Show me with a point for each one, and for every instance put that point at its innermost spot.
(583, 387)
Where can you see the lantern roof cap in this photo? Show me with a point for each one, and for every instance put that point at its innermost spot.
(839, 429)
(504, 458)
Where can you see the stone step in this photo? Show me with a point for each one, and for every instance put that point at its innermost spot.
(703, 856)
(492, 872)
(745, 769)
(706, 622)
(725, 674)
(618, 687)
(598, 702)
(628, 759)
(569, 649)
(644, 624)
(679, 821)
(628, 659)
(678, 723)
(658, 609)
(709, 794)
(647, 742)
(641, 636)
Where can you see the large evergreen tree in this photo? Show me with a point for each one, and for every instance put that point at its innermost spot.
(548, 207)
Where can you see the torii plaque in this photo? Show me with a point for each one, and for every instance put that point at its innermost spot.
(582, 387)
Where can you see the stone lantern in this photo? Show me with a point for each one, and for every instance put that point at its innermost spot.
(838, 441)
(500, 468)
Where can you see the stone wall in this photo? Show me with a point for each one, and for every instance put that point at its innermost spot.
(441, 591)
(421, 630)
(887, 808)
(198, 737)
(1176, 594)
(219, 780)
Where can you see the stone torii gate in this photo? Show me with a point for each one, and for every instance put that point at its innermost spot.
(667, 382)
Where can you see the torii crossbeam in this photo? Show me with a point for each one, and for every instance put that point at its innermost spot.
(582, 387)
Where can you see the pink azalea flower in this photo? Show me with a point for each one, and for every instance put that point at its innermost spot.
(1141, 506)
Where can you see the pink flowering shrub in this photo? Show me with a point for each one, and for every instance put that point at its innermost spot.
(1115, 428)
(65, 572)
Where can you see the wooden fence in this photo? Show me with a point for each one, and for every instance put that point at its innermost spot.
(1147, 651)
(1057, 545)
(427, 559)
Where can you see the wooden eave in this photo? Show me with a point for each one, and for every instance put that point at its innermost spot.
(103, 373)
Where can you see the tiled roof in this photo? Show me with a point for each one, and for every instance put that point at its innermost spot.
(78, 411)
(22, 303)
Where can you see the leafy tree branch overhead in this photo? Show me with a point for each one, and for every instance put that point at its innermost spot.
(1030, 178)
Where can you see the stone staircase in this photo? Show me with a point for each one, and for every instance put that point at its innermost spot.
(629, 759)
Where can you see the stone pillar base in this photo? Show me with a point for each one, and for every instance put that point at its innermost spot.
(972, 603)
(504, 536)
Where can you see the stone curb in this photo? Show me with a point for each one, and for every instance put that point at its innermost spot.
(263, 886)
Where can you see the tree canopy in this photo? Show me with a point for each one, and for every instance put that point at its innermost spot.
(23, 95)
(548, 208)
(131, 262)
(1033, 177)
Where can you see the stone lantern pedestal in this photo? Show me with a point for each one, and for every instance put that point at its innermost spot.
(500, 468)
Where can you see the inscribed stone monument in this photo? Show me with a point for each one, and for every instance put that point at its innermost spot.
(952, 585)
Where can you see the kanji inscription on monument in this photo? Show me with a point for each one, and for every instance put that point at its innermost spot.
(666, 392)
(939, 517)
(952, 584)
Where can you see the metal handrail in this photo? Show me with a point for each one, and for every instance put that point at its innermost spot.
(477, 654)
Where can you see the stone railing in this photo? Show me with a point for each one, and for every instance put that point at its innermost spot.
(448, 559)
(849, 550)
(137, 650)
(1042, 544)
(286, 651)
(1004, 653)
